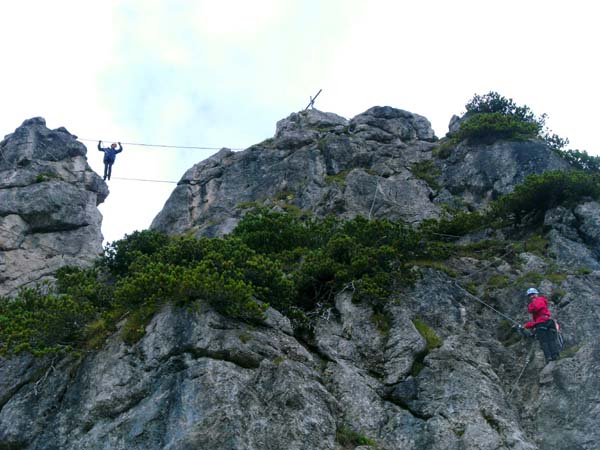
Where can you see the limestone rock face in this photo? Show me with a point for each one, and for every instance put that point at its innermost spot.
(381, 163)
(477, 174)
(48, 205)
(317, 162)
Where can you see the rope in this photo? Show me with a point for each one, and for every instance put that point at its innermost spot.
(374, 196)
(510, 250)
(145, 180)
(527, 359)
(484, 303)
(190, 147)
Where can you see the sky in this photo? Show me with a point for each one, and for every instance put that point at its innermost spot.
(221, 73)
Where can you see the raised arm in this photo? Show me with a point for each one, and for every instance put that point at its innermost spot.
(120, 148)
(100, 146)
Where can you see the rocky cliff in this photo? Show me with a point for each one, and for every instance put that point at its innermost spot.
(441, 372)
(48, 200)
(381, 163)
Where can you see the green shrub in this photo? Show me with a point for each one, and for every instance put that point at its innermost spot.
(493, 102)
(539, 193)
(248, 205)
(418, 365)
(119, 254)
(532, 278)
(338, 178)
(40, 322)
(294, 263)
(428, 172)
(271, 233)
(536, 244)
(349, 439)
(382, 322)
(570, 352)
(581, 160)
(486, 128)
(492, 116)
(445, 147)
(437, 265)
(432, 339)
(557, 294)
(449, 228)
(324, 255)
(556, 277)
(285, 196)
(224, 272)
(135, 326)
(84, 285)
(45, 176)
(525, 205)
(498, 281)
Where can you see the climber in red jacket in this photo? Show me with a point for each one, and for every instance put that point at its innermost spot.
(543, 324)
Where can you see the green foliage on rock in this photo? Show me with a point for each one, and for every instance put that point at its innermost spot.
(338, 178)
(120, 254)
(494, 103)
(324, 256)
(428, 172)
(492, 117)
(133, 280)
(539, 193)
(581, 160)
(487, 128)
(350, 439)
(526, 205)
(42, 322)
(45, 176)
(431, 338)
(294, 263)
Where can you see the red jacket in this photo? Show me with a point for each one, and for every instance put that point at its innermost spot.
(539, 311)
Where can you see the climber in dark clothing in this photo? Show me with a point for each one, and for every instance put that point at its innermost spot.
(110, 153)
(544, 326)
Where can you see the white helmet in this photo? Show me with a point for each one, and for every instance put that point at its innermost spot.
(532, 291)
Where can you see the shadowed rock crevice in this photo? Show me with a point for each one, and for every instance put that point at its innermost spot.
(239, 358)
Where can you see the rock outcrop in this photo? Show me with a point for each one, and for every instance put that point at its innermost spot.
(382, 163)
(48, 205)
(475, 175)
(317, 162)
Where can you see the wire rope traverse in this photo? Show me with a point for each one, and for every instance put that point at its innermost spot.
(140, 144)
(146, 180)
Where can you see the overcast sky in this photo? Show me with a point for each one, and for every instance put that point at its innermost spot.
(221, 73)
